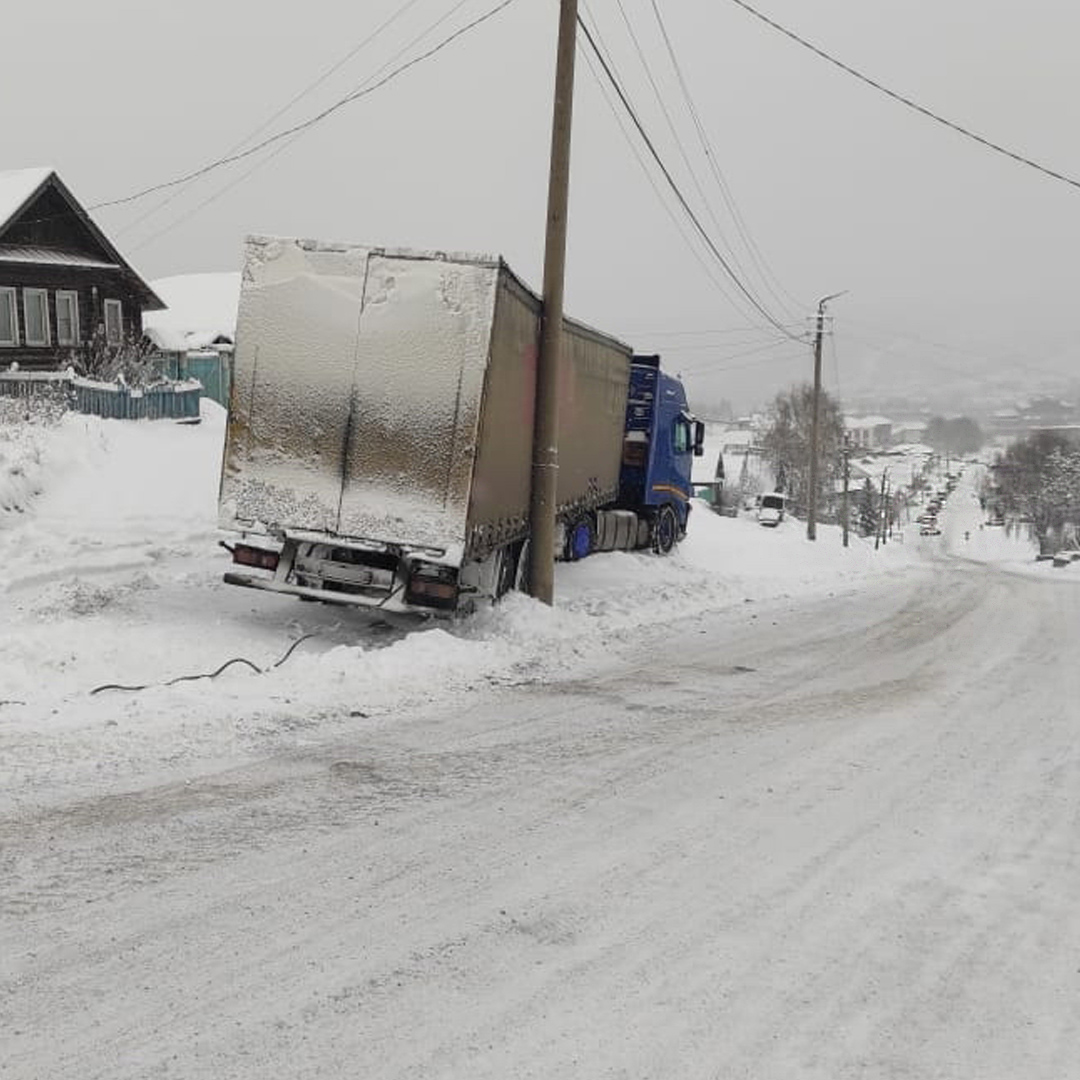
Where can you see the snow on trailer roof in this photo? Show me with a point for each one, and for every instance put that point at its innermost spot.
(261, 247)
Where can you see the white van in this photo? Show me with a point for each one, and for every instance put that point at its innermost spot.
(771, 509)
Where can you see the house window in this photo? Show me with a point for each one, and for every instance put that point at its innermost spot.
(67, 318)
(114, 323)
(9, 320)
(36, 316)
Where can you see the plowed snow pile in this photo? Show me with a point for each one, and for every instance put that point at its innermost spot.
(110, 575)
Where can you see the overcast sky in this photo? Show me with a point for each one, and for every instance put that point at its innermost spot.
(960, 264)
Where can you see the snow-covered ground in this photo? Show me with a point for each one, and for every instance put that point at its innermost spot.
(766, 808)
(110, 572)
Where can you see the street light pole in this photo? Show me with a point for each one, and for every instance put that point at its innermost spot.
(811, 501)
(545, 468)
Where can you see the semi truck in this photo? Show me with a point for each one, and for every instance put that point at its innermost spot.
(379, 440)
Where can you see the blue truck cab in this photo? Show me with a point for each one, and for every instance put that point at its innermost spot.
(661, 439)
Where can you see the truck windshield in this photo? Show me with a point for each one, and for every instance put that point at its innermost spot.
(772, 502)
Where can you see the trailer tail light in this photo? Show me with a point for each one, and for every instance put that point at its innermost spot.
(247, 555)
(431, 585)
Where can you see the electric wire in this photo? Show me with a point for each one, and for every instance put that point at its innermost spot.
(726, 330)
(709, 269)
(311, 121)
(713, 364)
(283, 146)
(915, 106)
(791, 358)
(666, 112)
(209, 674)
(757, 257)
(260, 128)
(694, 219)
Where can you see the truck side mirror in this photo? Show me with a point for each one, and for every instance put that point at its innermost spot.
(699, 438)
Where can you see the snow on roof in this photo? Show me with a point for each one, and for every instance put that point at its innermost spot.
(867, 421)
(201, 308)
(16, 186)
(729, 440)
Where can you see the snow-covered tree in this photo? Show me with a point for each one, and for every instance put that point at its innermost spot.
(787, 445)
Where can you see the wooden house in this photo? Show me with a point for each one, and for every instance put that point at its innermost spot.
(64, 288)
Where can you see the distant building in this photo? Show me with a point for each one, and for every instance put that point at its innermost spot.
(909, 431)
(869, 432)
(197, 333)
(64, 288)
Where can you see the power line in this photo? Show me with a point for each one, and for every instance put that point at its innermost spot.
(229, 159)
(283, 146)
(922, 110)
(702, 333)
(791, 358)
(756, 255)
(710, 363)
(671, 127)
(709, 269)
(709, 242)
(704, 349)
(299, 96)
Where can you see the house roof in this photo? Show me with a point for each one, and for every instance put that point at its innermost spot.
(202, 310)
(19, 188)
(40, 256)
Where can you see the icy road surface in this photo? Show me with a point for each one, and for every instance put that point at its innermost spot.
(808, 831)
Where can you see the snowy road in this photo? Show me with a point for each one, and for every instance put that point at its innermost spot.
(801, 839)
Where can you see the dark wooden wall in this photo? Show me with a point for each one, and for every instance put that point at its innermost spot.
(93, 288)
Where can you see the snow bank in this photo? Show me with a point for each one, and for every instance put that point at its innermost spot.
(966, 535)
(113, 576)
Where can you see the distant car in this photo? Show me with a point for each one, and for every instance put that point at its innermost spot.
(929, 530)
(771, 509)
(926, 519)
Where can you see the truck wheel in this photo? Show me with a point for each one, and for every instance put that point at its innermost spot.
(665, 530)
(517, 567)
(508, 569)
(580, 538)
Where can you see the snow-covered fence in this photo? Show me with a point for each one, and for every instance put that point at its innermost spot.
(176, 401)
(166, 400)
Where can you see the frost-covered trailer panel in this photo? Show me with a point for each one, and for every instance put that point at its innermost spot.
(388, 396)
(357, 392)
(592, 405)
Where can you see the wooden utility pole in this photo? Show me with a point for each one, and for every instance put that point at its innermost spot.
(811, 501)
(847, 481)
(879, 535)
(545, 469)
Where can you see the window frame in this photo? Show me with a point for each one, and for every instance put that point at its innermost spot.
(71, 295)
(46, 340)
(118, 307)
(10, 295)
(682, 437)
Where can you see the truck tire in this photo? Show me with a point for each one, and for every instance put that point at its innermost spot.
(665, 530)
(516, 566)
(509, 569)
(580, 538)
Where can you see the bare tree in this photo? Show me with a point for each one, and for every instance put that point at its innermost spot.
(787, 445)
